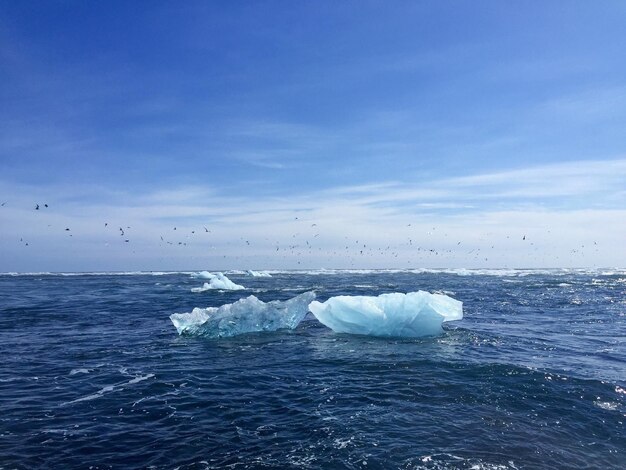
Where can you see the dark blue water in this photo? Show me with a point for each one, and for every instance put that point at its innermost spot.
(94, 375)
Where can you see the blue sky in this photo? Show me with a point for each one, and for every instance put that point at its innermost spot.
(293, 130)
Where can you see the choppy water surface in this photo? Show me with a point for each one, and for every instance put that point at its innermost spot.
(93, 374)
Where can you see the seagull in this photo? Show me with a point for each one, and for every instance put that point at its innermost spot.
(3, 203)
(67, 229)
(45, 205)
(206, 230)
(37, 207)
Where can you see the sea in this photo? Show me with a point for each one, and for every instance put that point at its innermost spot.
(93, 375)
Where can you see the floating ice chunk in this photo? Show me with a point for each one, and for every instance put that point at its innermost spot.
(217, 281)
(203, 275)
(410, 315)
(258, 273)
(244, 316)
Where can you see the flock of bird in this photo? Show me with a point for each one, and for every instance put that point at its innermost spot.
(303, 244)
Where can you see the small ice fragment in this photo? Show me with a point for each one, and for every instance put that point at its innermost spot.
(203, 275)
(244, 316)
(403, 315)
(258, 273)
(217, 281)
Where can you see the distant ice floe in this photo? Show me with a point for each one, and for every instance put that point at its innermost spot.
(217, 281)
(463, 272)
(258, 273)
(399, 315)
(244, 316)
(457, 271)
(203, 275)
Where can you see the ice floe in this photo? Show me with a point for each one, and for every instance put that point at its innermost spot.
(252, 273)
(244, 316)
(217, 281)
(401, 315)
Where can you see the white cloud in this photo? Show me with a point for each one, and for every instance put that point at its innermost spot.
(477, 220)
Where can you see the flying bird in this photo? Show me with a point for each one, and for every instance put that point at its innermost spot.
(37, 207)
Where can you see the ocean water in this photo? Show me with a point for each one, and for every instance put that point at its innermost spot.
(94, 375)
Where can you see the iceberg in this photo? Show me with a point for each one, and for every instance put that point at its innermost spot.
(258, 273)
(400, 315)
(244, 316)
(217, 281)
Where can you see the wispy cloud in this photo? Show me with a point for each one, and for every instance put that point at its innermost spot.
(590, 104)
(322, 228)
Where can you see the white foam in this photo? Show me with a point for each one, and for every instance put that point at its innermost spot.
(109, 388)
